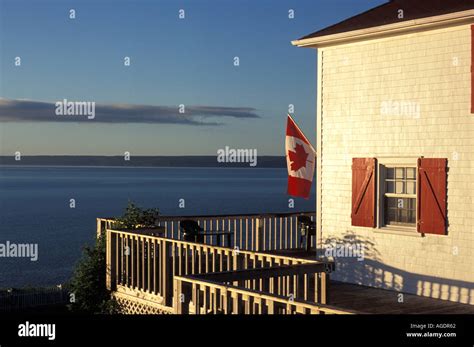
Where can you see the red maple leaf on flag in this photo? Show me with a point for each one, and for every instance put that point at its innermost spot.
(298, 158)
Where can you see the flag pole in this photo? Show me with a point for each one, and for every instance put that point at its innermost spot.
(302, 133)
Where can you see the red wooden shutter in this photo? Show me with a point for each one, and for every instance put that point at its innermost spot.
(472, 68)
(363, 192)
(431, 196)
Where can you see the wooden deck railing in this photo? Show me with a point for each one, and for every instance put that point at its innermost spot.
(147, 264)
(307, 282)
(197, 295)
(253, 232)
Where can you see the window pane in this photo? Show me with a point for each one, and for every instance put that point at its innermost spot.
(392, 203)
(411, 173)
(391, 210)
(411, 187)
(400, 211)
(390, 187)
(390, 173)
(400, 187)
(390, 216)
(399, 172)
(404, 216)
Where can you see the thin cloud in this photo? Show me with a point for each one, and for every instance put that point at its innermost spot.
(18, 110)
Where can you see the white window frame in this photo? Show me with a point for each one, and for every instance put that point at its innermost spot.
(393, 162)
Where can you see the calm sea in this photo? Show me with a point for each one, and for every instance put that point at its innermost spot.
(34, 205)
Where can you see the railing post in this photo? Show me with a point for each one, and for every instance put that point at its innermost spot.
(178, 289)
(324, 280)
(195, 298)
(110, 252)
(167, 268)
(226, 301)
(99, 227)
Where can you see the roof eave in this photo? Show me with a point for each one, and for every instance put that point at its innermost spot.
(389, 29)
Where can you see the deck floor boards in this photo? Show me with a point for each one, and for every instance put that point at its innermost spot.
(382, 301)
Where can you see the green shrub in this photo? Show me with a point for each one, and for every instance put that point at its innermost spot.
(88, 287)
(135, 217)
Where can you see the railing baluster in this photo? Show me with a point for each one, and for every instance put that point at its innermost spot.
(240, 232)
(142, 273)
(165, 269)
(199, 258)
(132, 265)
(178, 291)
(324, 287)
(281, 233)
(180, 260)
(274, 232)
(290, 233)
(270, 233)
(116, 255)
(155, 274)
(193, 262)
(195, 298)
(213, 253)
(124, 259)
(137, 262)
(264, 234)
(213, 300)
(230, 259)
(159, 259)
(236, 243)
(148, 285)
(252, 235)
(222, 236)
(204, 299)
(127, 253)
(186, 249)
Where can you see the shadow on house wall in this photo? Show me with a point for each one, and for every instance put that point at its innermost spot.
(371, 271)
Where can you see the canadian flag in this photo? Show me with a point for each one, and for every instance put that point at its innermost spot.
(300, 159)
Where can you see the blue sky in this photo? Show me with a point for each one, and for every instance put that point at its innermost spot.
(173, 61)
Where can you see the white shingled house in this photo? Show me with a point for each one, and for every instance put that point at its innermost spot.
(395, 142)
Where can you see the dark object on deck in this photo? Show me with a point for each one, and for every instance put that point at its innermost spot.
(308, 230)
(192, 231)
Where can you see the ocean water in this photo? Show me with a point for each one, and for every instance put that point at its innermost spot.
(34, 206)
